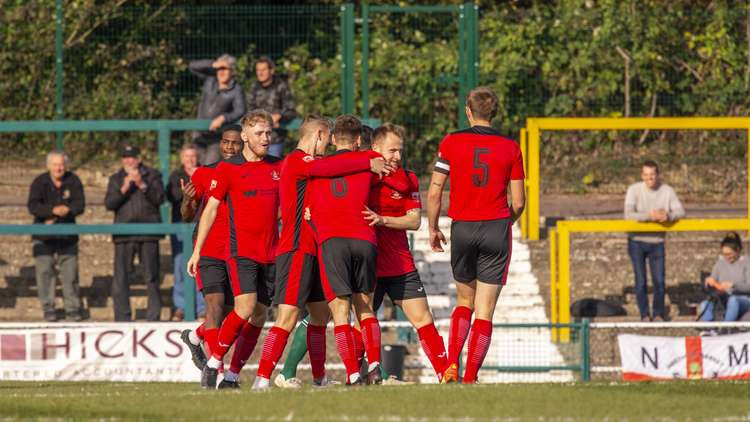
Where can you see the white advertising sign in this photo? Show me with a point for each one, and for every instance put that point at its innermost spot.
(662, 358)
(96, 352)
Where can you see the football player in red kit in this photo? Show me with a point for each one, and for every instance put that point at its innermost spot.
(297, 273)
(249, 185)
(393, 213)
(480, 164)
(212, 276)
(347, 250)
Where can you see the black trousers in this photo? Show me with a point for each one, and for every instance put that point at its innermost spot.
(148, 255)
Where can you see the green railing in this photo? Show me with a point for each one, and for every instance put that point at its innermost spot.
(184, 229)
(576, 357)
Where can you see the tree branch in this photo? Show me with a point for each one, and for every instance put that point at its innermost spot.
(626, 88)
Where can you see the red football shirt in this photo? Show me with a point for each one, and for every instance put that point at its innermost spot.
(217, 242)
(480, 163)
(336, 204)
(394, 256)
(296, 169)
(251, 191)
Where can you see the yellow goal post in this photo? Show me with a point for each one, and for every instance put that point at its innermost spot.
(530, 140)
(559, 259)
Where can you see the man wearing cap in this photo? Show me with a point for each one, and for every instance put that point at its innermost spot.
(222, 102)
(134, 193)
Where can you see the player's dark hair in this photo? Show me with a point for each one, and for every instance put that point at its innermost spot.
(267, 60)
(346, 129)
(383, 131)
(651, 164)
(366, 141)
(231, 128)
(732, 240)
(256, 116)
(483, 103)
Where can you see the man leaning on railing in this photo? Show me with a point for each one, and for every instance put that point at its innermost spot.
(650, 200)
(134, 193)
(56, 196)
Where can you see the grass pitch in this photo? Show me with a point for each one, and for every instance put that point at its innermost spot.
(164, 401)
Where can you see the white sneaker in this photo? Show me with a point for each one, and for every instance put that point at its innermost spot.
(392, 380)
(261, 383)
(325, 382)
(282, 382)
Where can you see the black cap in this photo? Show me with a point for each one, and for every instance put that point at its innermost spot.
(130, 151)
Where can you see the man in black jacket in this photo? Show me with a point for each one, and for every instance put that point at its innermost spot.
(134, 193)
(57, 197)
(222, 101)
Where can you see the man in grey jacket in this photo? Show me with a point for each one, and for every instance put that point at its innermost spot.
(222, 101)
(650, 200)
(134, 193)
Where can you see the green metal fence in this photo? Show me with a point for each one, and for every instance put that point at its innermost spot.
(140, 54)
(186, 230)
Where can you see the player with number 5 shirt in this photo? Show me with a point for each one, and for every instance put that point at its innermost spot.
(480, 163)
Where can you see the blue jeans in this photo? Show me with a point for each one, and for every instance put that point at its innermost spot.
(639, 252)
(178, 260)
(737, 305)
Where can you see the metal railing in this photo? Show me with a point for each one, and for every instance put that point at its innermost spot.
(530, 139)
(559, 244)
(184, 229)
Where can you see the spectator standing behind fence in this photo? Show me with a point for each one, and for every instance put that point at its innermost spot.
(650, 200)
(57, 197)
(134, 193)
(729, 277)
(222, 101)
(179, 181)
(271, 93)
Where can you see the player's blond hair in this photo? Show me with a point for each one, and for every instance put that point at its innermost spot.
(381, 132)
(312, 123)
(254, 117)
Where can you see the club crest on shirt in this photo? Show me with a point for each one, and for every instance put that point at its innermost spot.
(66, 194)
(308, 158)
(396, 195)
(275, 175)
(213, 184)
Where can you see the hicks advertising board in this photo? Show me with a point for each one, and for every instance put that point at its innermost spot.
(96, 352)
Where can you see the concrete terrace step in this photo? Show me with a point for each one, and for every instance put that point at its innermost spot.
(520, 302)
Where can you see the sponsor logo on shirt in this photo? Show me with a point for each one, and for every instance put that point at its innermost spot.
(249, 193)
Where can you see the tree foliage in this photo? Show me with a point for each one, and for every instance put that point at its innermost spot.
(128, 59)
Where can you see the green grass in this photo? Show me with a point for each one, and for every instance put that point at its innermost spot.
(164, 401)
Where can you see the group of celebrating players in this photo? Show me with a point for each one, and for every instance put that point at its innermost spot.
(343, 244)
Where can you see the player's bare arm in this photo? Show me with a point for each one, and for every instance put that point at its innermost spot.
(204, 226)
(409, 221)
(518, 199)
(434, 203)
